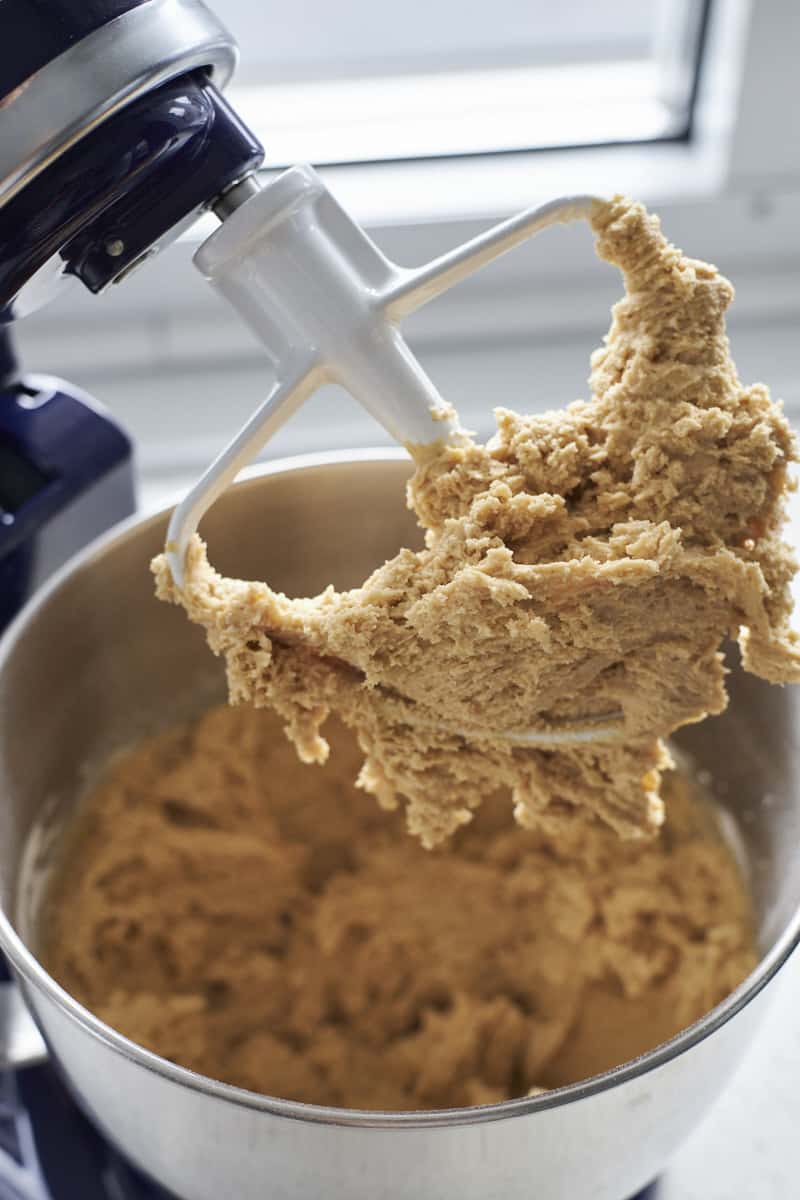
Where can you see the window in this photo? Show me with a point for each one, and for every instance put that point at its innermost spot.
(367, 83)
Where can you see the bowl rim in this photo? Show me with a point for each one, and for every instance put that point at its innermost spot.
(33, 975)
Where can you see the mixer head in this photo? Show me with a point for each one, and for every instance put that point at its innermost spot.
(114, 137)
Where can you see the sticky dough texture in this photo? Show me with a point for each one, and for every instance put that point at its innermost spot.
(266, 924)
(582, 561)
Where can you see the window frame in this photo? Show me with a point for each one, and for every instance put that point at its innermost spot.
(516, 88)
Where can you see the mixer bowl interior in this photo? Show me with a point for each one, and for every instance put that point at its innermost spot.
(103, 662)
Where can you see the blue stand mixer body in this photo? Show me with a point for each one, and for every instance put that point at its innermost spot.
(113, 138)
(66, 475)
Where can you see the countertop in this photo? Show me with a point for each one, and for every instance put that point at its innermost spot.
(747, 1147)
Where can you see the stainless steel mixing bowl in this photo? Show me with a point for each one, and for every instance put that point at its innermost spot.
(96, 660)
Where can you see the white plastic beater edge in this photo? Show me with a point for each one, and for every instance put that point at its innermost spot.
(301, 370)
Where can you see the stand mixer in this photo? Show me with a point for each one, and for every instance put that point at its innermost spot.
(114, 138)
(133, 159)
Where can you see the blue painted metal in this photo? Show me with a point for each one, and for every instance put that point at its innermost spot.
(9, 367)
(126, 188)
(53, 448)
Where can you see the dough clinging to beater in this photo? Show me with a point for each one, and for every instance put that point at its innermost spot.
(581, 562)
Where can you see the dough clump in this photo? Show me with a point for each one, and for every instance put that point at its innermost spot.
(584, 563)
(268, 925)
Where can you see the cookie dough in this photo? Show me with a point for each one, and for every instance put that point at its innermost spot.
(267, 924)
(583, 563)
